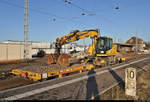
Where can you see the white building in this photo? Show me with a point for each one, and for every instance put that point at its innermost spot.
(36, 46)
(13, 51)
(49, 47)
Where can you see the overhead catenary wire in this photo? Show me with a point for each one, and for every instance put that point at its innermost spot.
(35, 10)
(48, 13)
(79, 23)
(67, 1)
(86, 12)
(39, 11)
(45, 13)
(53, 15)
(56, 16)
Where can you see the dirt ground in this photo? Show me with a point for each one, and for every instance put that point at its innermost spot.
(6, 77)
(13, 82)
(7, 67)
(143, 88)
(7, 80)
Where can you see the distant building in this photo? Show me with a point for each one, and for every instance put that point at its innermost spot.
(49, 47)
(13, 51)
(132, 40)
(123, 47)
(140, 43)
(36, 46)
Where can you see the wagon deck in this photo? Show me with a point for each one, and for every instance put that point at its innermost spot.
(36, 72)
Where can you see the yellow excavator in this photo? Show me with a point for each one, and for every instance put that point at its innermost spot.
(102, 51)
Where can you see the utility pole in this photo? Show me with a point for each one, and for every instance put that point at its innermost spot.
(136, 40)
(84, 44)
(114, 39)
(26, 51)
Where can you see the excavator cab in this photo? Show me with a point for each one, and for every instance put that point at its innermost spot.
(103, 44)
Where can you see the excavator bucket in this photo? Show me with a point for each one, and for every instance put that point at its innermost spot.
(63, 60)
(51, 58)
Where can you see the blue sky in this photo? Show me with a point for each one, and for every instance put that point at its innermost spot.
(120, 24)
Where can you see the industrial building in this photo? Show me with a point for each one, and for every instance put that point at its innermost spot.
(36, 46)
(14, 50)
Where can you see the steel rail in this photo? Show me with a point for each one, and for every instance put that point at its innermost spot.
(40, 90)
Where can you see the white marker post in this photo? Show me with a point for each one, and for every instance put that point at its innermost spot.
(130, 81)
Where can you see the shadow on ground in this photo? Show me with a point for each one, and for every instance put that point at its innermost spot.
(117, 78)
(91, 86)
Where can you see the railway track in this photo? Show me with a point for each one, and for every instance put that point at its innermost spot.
(8, 80)
(7, 77)
(5, 68)
(39, 89)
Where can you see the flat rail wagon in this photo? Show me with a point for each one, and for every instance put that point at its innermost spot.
(43, 72)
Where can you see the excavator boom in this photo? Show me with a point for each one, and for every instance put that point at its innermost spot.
(63, 59)
(76, 35)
